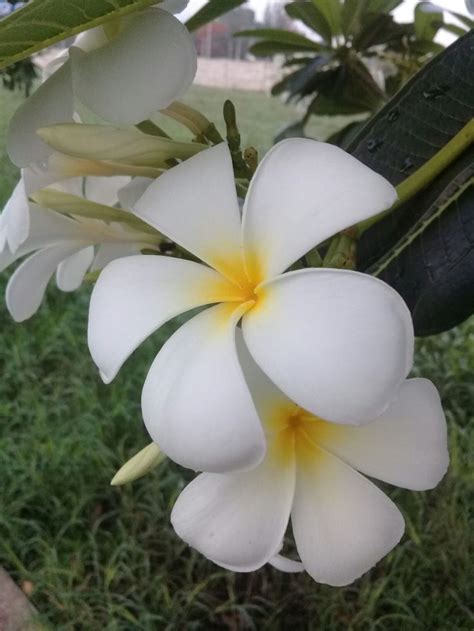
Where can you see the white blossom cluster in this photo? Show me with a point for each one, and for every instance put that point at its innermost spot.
(291, 386)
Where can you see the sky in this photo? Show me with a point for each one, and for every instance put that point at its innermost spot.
(404, 13)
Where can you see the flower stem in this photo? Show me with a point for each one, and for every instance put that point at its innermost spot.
(427, 172)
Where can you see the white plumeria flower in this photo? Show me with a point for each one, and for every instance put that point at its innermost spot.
(338, 343)
(15, 219)
(124, 75)
(55, 243)
(342, 523)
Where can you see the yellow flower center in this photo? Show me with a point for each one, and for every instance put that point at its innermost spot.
(296, 433)
(244, 279)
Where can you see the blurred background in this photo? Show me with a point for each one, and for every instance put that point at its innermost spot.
(89, 556)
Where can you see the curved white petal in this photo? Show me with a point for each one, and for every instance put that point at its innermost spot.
(52, 102)
(173, 6)
(15, 218)
(302, 193)
(195, 205)
(26, 287)
(70, 272)
(104, 190)
(135, 295)
(270, 402)
(236, 520)
(406, 446)
(152, 60)
(91, 39)
(196, 403)
(338, 343)
(107, 252)
(47, 228)
(342, 523)
(129, 194)
(279, 562)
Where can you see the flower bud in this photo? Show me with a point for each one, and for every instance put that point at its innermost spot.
(138, 466)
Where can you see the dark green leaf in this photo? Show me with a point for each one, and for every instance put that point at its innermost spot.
(354, 13)
(435, 255)
(211, 11)
(280, 36)
(346, 135)
(428, 20)
(456, 30)
(307, 80)
(269, 48)
(331, 9)
(435, 272)
(42, 23)
(380, 29)
(464, 19)
(312, 17)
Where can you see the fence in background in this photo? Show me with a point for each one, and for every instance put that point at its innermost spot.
(234, 73)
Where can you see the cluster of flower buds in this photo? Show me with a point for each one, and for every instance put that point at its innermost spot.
(292, 382)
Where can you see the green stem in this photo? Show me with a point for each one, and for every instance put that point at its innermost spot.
(427, 173)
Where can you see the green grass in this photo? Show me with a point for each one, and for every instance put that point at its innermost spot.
(102, 558)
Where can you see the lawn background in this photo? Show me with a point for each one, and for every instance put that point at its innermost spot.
(101, 558)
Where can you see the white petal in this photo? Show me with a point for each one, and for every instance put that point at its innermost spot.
(302, 193)
(26, 287)
(51, 103)
(104, 190)
(129, 195)
(91, 39)
(342, 523)
(236, 520)
(406, 446)
(173, 6)
(338, 343)
(15, 218)
(47, 228)
(135, 295)
(195, 205)
(108, 252)
(196, 403)
(71, 271)
(284, 564)
(147, 66)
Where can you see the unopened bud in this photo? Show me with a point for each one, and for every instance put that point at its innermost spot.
(142, 463)
(125, 145)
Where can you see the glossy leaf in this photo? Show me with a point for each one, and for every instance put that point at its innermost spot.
(281, 37)
(380, 29)
(42, 23)
(211, 11)
(311, 17)
(354, 13)
(434, 270)
(331, 9)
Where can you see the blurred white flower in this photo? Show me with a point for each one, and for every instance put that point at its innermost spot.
(338, 343)
(342, 523)
(52, 242)
(123, 72)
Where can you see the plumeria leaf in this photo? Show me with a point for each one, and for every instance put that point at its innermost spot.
(211, 11)
(331, 9)
(425, 249)
(278, 40)
(42, 23)
(354, 13)
(311, 17)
